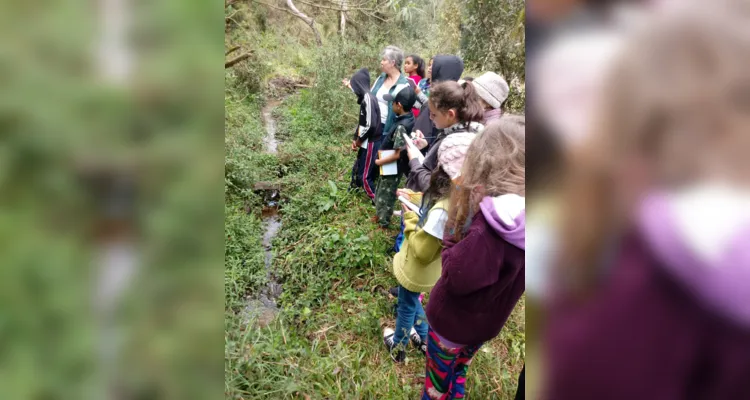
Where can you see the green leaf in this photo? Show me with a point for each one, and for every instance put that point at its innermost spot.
(334, 189)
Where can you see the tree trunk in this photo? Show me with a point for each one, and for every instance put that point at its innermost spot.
(343, 17)
(308, 21)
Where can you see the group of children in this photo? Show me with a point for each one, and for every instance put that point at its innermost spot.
(465, 172)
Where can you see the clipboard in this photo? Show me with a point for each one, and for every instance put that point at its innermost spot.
(392, 167)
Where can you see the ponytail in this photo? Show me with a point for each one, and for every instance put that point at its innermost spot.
(460, 97)
(472, 110)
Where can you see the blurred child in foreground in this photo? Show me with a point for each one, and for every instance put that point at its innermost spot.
(652, 295)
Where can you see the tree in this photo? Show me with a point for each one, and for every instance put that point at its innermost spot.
(309, 21)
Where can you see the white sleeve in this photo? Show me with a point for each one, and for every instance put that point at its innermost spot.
(364, 128)
(435, 224)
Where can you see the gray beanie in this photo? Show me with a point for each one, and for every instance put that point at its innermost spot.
(492, 88)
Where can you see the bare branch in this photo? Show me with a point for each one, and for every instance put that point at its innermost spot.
(374, 16)
(230, 63)
(307, 20)
(336, 8)
(273, 6)
(229, 17)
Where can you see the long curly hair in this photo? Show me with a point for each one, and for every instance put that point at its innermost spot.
(687, 74)
(494, 166)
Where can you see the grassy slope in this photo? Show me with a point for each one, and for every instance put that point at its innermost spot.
(326, 341)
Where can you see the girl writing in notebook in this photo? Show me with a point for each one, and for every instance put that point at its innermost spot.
(417, 265)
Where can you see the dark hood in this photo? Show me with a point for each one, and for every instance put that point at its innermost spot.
(361, 83)
(447, 68)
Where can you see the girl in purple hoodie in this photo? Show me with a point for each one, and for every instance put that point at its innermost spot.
(483, 257)
(653, 291)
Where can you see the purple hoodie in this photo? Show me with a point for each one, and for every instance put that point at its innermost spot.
(482, 275)
(507, 216)
(672, 319)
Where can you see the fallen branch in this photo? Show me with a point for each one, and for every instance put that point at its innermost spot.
(232, 50)
(230, 63)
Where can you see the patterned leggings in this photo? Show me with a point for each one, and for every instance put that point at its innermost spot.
(446, 369)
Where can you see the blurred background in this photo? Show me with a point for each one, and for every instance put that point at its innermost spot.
(111, 200)
(637, 273)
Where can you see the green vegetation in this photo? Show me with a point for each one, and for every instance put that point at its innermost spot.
(333, 264)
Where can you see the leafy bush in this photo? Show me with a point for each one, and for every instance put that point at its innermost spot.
(337, 60)
(493, 37)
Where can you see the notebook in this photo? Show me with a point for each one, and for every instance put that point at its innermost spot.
(411, 144)
(390, 168)
(410, 205)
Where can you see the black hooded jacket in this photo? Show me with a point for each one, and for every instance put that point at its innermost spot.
(369, 113)
(444, 68)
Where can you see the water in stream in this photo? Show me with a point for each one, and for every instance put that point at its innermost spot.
(262, 307)
(270, 138)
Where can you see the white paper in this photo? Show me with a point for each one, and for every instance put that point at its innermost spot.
(410, 205)
(411, 145)
(392, 167)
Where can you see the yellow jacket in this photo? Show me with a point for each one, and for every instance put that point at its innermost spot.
(417, 265)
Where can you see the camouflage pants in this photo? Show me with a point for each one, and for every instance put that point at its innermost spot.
(385, 197)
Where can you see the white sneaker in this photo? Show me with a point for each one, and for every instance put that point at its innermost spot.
(397, 213)
(397, 355)
(417, 341)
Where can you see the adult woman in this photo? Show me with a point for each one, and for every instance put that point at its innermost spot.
(391, 81)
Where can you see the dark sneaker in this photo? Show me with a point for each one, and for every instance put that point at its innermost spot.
(393, 291)
(417, 341)
(397, 355)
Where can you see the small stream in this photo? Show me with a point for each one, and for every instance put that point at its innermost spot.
(263, 307)
(270, 138)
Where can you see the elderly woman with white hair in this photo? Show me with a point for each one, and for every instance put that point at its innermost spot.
(391, 81)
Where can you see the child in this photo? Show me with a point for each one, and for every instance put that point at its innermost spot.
(367, 133)
(444, 68)
(414, 69)
(423, 86)
(493, 91)
(453, 108)
(417, 265)
(655, 303)
(385, 195)
(483, 259)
